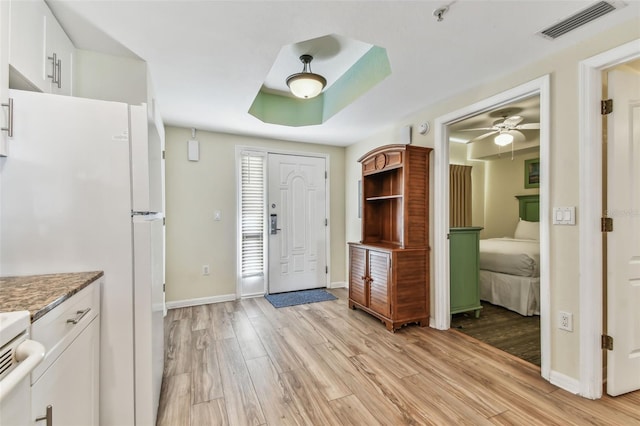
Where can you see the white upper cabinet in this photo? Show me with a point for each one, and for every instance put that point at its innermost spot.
(59, 47)
(4, 76)
(40, 53)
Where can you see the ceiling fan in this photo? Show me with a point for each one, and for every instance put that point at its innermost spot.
(507, 130)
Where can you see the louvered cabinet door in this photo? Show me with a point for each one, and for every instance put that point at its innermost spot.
(358, 288)
(379, 268)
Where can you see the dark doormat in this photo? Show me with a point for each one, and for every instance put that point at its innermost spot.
(292, 298)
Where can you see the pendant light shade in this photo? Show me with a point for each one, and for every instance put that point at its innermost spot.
(503, 139)
(305, 84)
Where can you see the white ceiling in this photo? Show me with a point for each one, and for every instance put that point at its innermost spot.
(208, 59)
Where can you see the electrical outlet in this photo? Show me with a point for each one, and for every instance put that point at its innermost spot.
(565, 321)
(205, 269)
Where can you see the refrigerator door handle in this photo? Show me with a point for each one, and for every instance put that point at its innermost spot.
(136, 213)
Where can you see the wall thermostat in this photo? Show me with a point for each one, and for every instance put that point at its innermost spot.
(424, 128)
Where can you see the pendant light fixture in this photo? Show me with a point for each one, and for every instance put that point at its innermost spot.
(503, 139)
(305, 84)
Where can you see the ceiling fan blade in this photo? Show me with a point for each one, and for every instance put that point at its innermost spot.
(484, 135)
(513, 121)
(479, 128)
(528, 126)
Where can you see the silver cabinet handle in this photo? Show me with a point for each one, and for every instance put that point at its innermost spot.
(79, 316)
(59, 66)
(48, 417)
(9, 128)
(54, 68)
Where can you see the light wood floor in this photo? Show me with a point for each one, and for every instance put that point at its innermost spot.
(247, 363)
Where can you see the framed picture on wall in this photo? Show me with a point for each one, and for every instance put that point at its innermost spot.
(532, 173)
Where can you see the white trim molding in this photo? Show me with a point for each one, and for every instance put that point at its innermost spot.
(338, 284)
(591, 187)
(565, 382)
(200, 301)
(442, 317)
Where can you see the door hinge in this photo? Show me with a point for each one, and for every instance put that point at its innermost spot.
(163, 154)
(326, 269)
(606, 224)
(164, 221)
(606, 106)
(607, 342)
(326, 222)
(326, 175)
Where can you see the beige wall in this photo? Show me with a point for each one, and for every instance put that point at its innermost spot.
(563, 68)
(110, 78)
(504, 180)
(195, 189)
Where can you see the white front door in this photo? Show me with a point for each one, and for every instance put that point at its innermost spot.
(623, 244)
(296, 198)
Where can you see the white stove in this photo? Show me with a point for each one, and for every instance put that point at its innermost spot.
(18, 357)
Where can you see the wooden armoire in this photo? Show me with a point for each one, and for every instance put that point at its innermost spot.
(389, 268)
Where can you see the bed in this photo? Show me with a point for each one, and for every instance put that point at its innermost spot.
(510, 267)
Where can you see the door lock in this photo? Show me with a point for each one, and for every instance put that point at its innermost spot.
(274, 224)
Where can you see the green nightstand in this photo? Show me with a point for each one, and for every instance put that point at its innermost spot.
(464, 268)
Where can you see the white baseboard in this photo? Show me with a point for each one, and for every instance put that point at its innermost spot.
(565, 382)
(200, 301)
(338, 284)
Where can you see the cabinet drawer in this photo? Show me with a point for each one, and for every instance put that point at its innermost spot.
(57, 329)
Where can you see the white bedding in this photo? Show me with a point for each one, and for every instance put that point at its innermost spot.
(510, 256)
(519, 294)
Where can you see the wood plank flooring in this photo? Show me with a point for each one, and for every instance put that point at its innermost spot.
(247, 363)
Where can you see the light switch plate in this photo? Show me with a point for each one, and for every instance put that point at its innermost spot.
(564, 216)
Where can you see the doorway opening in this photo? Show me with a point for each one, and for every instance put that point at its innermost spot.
(537, 88)
(494, 221)
(283, 226)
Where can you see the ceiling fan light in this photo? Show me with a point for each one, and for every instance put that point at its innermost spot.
(305, 84)
(503, 139)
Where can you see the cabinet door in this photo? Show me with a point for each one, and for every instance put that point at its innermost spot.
(26, 50)
(4, 73)
(379, 269)
(464, 270)
(71, 384)
(357, 273)
(57, 43)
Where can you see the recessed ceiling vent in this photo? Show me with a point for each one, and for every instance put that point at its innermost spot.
(581, 18)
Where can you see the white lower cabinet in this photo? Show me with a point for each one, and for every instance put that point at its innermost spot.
(65, 387)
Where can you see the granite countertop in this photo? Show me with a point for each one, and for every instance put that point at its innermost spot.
(39, 294)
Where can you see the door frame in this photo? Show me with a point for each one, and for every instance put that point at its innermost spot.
(442, 317)
(590, 207)
(266, 151)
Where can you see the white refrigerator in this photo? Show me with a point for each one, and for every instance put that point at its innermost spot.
(82, 189)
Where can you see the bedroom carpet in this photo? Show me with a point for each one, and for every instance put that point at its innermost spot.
(503, 329)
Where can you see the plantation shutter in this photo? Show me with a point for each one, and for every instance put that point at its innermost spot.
(253, 213)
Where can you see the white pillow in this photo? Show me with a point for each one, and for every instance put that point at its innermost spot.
(527, 230)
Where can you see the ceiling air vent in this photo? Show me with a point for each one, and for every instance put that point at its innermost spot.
(579, 19)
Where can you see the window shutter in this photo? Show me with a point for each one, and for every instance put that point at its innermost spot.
(253, 213)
